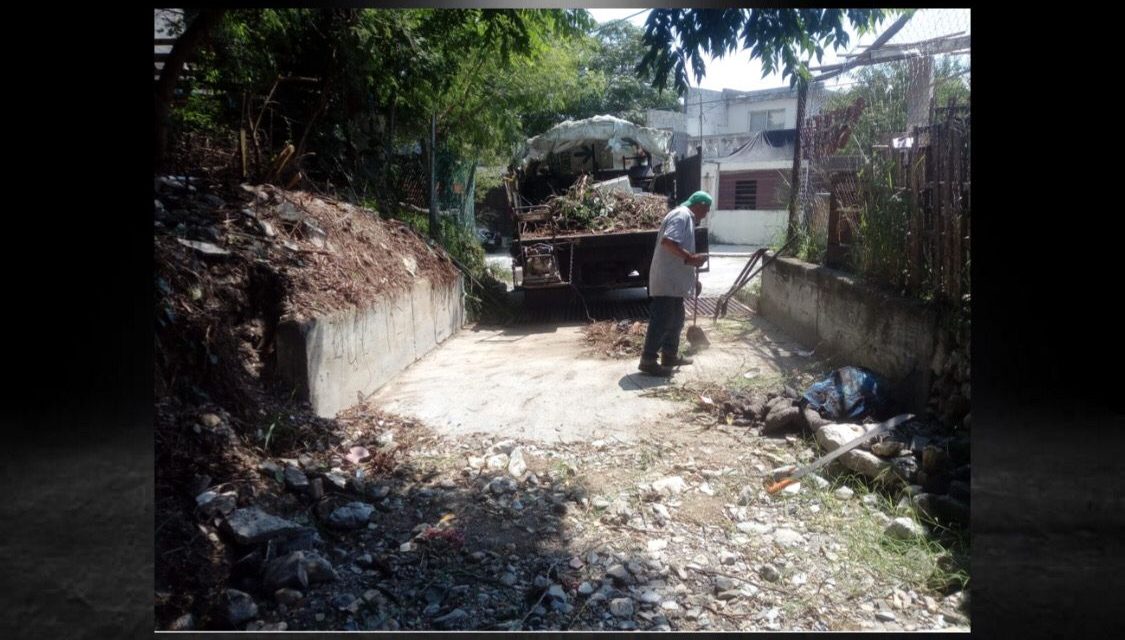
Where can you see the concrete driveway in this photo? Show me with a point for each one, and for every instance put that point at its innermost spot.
(541, 382)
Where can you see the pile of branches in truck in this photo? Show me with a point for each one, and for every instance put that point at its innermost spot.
(585, 208)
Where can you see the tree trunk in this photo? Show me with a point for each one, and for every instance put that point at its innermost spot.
(184, 46)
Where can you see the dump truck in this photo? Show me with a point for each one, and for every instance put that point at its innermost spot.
(587, 200)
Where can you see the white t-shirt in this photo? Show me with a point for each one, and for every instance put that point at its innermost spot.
(668, 275)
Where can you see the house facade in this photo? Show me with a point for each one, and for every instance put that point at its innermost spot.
(743, 141)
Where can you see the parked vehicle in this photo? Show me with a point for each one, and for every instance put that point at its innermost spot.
(597, 150)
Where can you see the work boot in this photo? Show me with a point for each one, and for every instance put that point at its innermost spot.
(674, 360)
(654, 368)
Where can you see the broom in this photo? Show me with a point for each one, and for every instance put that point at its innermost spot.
(695, 336)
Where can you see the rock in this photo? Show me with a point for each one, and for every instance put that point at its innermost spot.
(904, 529)
(657, 545)
(833, 435)
(775, 404)
(238, 607)
(813, 419)
(504, 446)
(212, 504)
(884, 616)
(621, 607)
(782, 420)
(452, 620)
(210, 420)
(497, 462)
(754, 528)
(726, 557)
(769, 572)
(476, 462)
(887, 448)
(649, 597)
(502, 485)
(286, 572)
(818, 481)
(316, 488)
(867, 464)
(517, 466)
(213, 201)
(723, 583)
(843, 493)
(354, 515)
(732, 594)
(337, 479)
(296, 479)
(556, 592)
(672, 485)
(788, 538)
(747, 495)
(185, 622)
(620, 574)
(935, 460)
(945, 509)
(345, 602)
(288, 597)
(706, 489)
(251, 525)
(906, 468)
(319, 569)
(272, 469)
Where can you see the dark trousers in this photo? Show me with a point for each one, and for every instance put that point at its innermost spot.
(665, 323)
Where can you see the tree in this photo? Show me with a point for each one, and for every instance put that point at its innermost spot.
(782, 39)
(883, 88)
(188, 42)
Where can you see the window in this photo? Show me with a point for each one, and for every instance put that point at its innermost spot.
(746, 194)
(767, 120)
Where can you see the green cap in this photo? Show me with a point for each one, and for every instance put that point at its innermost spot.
(699, 197)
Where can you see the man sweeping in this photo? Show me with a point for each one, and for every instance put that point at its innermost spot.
(671, 278)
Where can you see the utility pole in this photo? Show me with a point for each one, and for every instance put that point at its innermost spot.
(795, 180)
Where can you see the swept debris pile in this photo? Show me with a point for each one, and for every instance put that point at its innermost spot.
(922, 456)
(585, 209)
(616, 338)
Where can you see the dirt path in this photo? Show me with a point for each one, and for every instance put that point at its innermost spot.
(544, 489)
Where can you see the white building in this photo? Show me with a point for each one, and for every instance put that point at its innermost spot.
(745, 170)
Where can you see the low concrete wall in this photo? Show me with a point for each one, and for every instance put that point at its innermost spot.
(861, 326)
(336, 361)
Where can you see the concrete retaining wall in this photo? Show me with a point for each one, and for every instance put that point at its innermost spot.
(861, 326)
(336, 361)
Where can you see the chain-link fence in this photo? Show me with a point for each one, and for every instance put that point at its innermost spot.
(885, 188)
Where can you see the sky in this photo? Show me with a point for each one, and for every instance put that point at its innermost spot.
(739, 72)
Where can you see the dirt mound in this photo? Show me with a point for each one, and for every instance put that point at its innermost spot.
(229, 266)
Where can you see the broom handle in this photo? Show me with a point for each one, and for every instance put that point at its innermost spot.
(695, 311)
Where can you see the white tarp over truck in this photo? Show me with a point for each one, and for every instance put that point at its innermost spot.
(621, 137)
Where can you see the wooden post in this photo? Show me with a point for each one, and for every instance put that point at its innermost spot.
(435, 228)
(915, 277)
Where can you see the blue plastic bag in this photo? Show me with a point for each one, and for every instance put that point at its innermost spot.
(847, 393)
